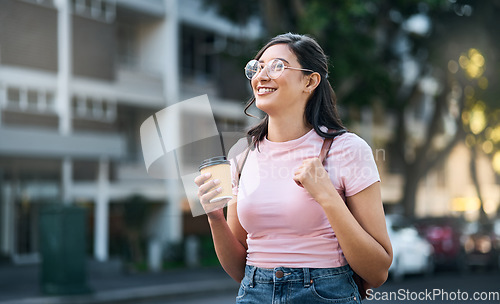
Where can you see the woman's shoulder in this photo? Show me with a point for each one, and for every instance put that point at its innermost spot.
(350, 147)
(345, 137)
(351, 140)
(238, 149)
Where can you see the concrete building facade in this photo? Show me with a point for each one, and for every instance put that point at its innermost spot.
(77, 79)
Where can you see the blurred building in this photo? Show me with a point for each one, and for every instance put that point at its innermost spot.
(77, 79)
(449, 189)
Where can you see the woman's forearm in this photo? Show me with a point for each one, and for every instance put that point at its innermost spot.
(368, 257)
(360, 228)
(364, 254)
(231, 253)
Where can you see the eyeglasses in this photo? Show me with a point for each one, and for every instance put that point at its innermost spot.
(274, 69)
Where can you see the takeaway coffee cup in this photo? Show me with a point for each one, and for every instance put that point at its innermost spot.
(220, 169)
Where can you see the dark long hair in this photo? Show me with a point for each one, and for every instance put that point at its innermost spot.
(321, 109)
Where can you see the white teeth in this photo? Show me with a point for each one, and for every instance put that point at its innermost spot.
(266, 90)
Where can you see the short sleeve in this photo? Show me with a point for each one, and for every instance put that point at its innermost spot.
(357, 166)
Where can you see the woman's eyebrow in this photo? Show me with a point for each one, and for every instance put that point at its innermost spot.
(282, 59)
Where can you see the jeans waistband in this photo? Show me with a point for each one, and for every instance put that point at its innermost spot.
(285, 274)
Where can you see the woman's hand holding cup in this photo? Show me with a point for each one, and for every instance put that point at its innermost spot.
(208, 189)
(215, 188)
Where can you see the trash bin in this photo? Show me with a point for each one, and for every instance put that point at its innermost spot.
(63, 250)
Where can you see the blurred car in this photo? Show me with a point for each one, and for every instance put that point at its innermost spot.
(481, 243)
(412, 254)
(445, 235)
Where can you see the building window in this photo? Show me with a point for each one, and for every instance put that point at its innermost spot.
(50, 101)
(199, 53)
(127, 51)
(34, 100)
(102, 10)
(13, 98)
(109, 109)
(96, 106)
(79, 106)
(92, 108)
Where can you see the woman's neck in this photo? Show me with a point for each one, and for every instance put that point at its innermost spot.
(285, 129)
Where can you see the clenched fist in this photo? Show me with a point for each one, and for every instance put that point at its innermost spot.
(314, 178)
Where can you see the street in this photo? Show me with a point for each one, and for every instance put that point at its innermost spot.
(443, 287)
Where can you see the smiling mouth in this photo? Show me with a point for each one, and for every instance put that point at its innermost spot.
(263, 91)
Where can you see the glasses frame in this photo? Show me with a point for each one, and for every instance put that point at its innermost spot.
(264, 66)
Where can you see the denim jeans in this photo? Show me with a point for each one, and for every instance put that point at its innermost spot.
(298, 286)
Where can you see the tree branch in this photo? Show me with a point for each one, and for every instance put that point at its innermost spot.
(423, 151)
(459, 135)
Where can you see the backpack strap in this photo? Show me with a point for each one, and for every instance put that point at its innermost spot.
(327, 143)
(241, 163)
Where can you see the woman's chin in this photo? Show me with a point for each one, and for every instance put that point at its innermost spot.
(264, 106)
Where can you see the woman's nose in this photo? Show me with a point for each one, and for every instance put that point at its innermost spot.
(262, 74)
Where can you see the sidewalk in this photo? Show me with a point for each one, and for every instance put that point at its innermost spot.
(20, 285)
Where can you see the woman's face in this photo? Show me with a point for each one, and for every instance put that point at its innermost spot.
(285, 93)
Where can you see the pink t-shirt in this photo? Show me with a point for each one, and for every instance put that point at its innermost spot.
(285, 225)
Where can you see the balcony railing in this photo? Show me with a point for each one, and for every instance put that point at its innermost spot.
(33, 142)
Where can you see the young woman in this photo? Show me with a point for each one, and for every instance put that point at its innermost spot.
(297, 227)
